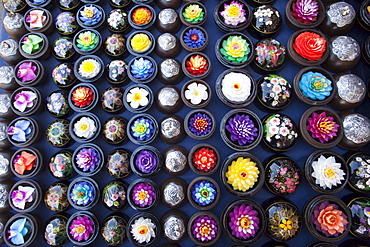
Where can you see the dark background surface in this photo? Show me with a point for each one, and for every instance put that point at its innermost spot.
(299, 152)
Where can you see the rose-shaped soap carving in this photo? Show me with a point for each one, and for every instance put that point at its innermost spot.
(310, 46)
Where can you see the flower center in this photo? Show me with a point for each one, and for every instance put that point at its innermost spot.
(88, 67)
(329, 173)
(143, 230)
(140, 128)
(80, 229)
(84, 126)
(205, 230)
(236, 85)
(204, 159)
(200, 124)
(194, 37)
(81, 193)
(243, 174)
(19, 195)
(245, 222)
(204, 193)
(142, 195)
(137, 97)
(332, 219)
(236, 46)
(233, 11)
(89, 13)
(326, 126)
(318, 83)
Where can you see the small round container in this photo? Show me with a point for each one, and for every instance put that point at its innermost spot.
(140, 43)
(282, 175)
(196, 94)
(301, 53)
(204, 159)
(60, 165)
(339, 19)
(359, 209)
(114, 195)
(39, 20)
(266, 21)
(93, 18)
(168, 46)
(196, 65)
(146, 161)
(199, 124)
(142, 16)
(116, 71)
(194, 38)
(171, 129)
(35, 73)
(118, 163)
(63, 75)
(314, 86)
(280, 132)
(143, 194)
(26, 162)
(13, 25)
(5, 186)
(344, 53)
(204, 221)
(236, 88)
(174, 224)
(89, 68)
(115, 45)
(242, 174)
(117, 20)
(203, 193)
(229, 21)
(173, 192)
(113, 230)
(87, 219)
(83, 97)
(66, 23)
(30, 222)
(170, 72)
(9, 51)
(114, 130)
(83, 193)
(138, 98)
(87, 42)
(26, 101)
(313, 137)
(142, 69)
(358, 174)
(57, 226)
(10, 6)
(57, 103)
(27, 125)
(4, 142)
(88, 159)
(366, 50)
(193, 13)
(264, 63)
(326, 171)
(42, 4)
(7, 78)
(308, 15)
(362, 15)
(6, 111)
(236, 138)
(55, 197)
(133, 227)
(168, 21)
(85, 127)
(5, 163)
(175, 160)
(4, 217)
(167, 99)
(143, 129)
(318, 206)
(39, 50)
(355, 129)
(68, 4)
(238, 211)
(32, 196)
(63, 49)
(266, 93)
(230, 57)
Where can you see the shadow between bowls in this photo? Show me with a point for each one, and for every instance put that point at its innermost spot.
(206, 159)
(313, 141)
(33, 224)
(96, 195)
(91, 217)
(191, 115)
(294, 24)
(36, 195)
(256, 186)
(130, 194)
(157, 229)
(191, 189)
(146, 117)
(98, 167)
(76, 118)
(308, 170)
(38, 162)
(31, 110)
(190, 231)
(146, 161)
(225, 219)
(309, 101)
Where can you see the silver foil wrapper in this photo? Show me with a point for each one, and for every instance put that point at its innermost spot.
(168, 96)
(6, 74)
(8, 47)
(174, 228)
(167, 41)
(4, 165)
(4, 103)
(351, 88)
(170, 68)
(167, 16)
(175, 161)
(357, 128)
(173, 194)
(170, 128)
(341, 14)
(346, 48)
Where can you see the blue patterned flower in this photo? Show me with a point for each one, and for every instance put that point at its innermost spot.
(194, 38)
(82, 193)
(142, 69)
(204, 192)
(90, 15)
(142, 129)
(315, 85)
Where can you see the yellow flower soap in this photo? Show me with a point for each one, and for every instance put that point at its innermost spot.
(242, 174)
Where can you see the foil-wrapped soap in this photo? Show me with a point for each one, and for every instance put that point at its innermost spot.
(168, 100)
(168, 21)
(173, 192)
(172, 129)
(168, 46)
(175, 160)
(356, 130)
(174, 224)
(339, 19)
(7, 81)
(14, 26)
(170, 72)
(9, 51)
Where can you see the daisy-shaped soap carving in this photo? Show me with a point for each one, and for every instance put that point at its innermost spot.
(196, 93)
(327, 172)
(143, 230)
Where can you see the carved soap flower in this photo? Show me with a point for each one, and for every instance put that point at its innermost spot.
(142, 68)
(236, 86)
(21, 196)
(194, 38)
(31, 43)
(242, 129)
(18, 231)
(36, 18)
(142, 129)
(204, 228)
(327, 172)
(242, 174)
(315, 85)
(204, 159)
(27, 72)
(322, 127)
(87, 40)
(329, 219)
(193, 13)
(197, 65)
(141, 16)
(234, 13)
(305, 11)
(138, 97)
(143, 195)
(140, 42)
(244, 221)
(82, 228)
(200, 124)
(82, 193)
(146, 161)
(196, 93)
(90, 15)
(310, 45)
(89, 68)
(204, 192)
(24, 100)
(82, 96)
(84, 127)
(24, 162)
(20, 130)
(235, 49)
(87, 159)
(143, 230)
